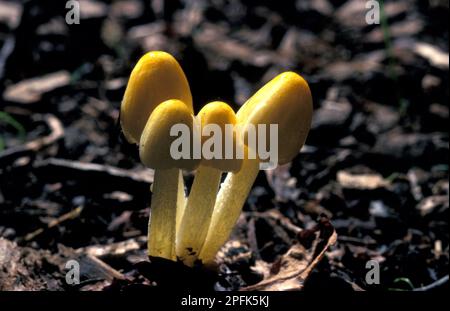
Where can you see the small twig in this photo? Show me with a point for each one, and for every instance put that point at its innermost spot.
(91, 168)
(103, 176)
(433, 285)
(56, 132)
(70, 215)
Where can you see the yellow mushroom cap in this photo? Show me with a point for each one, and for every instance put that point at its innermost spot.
(221, 114)
(156, 141)
(285, 100)
(156, 77)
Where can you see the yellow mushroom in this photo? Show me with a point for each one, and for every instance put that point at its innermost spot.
(216, 121)
(285, 101)
(155, 152)
(156, 78)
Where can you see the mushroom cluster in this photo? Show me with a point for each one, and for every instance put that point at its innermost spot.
(192, 229)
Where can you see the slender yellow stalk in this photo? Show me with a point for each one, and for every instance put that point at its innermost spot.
(232, 195)
(199, 208)
(162, 222)
(181, 199)
(168, 188)
(200, 204)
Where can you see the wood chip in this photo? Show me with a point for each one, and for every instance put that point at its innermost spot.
(10, 13)
(92, 9)
(114, 249)
(361, 181)
(433, 54)
(31, 90)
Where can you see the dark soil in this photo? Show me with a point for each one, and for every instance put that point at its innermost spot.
(375, 164)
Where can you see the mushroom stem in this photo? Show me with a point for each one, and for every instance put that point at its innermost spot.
(232, 196)
(181, 200)
(162, 223)
(199, 208)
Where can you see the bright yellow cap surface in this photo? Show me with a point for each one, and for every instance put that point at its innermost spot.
(221, 114)
(155, 143)
(156, 77)
(285, 100)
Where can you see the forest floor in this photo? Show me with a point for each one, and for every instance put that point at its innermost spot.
(371, 183)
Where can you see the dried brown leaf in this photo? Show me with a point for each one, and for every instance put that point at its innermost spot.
(293, 268)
